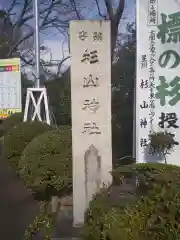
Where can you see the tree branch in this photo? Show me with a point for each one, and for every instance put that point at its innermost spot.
(11, 7)
(49, 11)
(109, 9)
(46, 11)
(27, 62)
(75, 9)
(50, 16)
(115, 20)
(14, 48)
(61, 63)
(119, 11)
(99, 10)
(23, 11)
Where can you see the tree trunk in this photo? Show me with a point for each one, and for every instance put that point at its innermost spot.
(114, 33)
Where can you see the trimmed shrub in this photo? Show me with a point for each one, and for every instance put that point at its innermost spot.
(43, 224)
(96, 221)
(9, 122)
(46, 164)
(19, 137)
(153, 214)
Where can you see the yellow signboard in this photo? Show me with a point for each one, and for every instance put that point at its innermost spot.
(4, 113)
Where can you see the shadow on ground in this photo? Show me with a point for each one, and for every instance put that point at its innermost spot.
(17, 207)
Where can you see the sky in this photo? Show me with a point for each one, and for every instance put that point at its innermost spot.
(129, 13)
(58, 45)
(128, 16)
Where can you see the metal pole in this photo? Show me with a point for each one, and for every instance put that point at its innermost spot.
(37, 47)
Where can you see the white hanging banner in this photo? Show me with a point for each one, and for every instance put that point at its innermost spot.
(158, 75)
(91, 110)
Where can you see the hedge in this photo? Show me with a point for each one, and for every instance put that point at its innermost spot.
(9, 122)
(19, 137)
(154, 212)
(43, 223)
(46, 164)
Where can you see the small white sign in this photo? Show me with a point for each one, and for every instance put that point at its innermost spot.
(10, 87)
(91, 110)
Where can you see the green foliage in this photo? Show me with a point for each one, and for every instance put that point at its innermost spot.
(19, 137)
(46, 164)
(45, 220)
(123, 79)
(25, 83)
(59, 92)
(95, 216)
(153, 214)
(9, 122)
(162, 143)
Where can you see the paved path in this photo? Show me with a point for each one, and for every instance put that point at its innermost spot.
(17, 208)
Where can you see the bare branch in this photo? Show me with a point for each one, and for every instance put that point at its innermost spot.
(61, 63)
(119, 11)
(115, 20)
(99, 10)
(14, 48)
(109, 9)
(11, 7)
(118, 14)
(48, 12)
(75, 8)
(23, 11)
(27, 62)
(54, 14)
